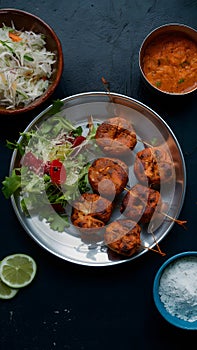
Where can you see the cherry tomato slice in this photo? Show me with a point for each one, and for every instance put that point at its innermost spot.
(57, 172)
(78, 141)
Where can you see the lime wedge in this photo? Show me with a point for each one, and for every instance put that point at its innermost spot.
(6, 292)
(17, 270)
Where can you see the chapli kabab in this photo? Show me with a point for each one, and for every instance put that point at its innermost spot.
(116, 136)
(108, 176)
(90, 213)
(153, 166)
(123, 237)
(170, 63)
(140, 203)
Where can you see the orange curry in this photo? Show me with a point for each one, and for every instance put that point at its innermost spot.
(170, 63)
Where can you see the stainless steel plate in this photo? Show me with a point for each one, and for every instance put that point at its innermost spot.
(149, 126)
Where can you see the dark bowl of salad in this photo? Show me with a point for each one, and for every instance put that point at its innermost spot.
(33, 61)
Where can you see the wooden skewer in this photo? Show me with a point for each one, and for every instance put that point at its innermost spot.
(154, 250)
(146, 143)
(107, 87)
(106, 84)
(179, 222)
(158, 250)
(158, 247)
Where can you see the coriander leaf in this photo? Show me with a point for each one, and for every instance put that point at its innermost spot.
(181, 81)
(57, 222)
(23, 205)
(84, 184)
(56, 107)
(28, 58)
(15, 145)
(6, 45)
(11, 183)
(77, 132)
(158, 83)
(20, 146)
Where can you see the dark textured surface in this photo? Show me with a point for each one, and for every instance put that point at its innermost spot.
(85, 308)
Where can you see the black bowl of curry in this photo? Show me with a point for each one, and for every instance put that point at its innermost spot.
(168, 59)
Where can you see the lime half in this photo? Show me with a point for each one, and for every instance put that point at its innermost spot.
(6, 292)
(17, 270)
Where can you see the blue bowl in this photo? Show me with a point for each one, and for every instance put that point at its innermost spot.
(178, 322)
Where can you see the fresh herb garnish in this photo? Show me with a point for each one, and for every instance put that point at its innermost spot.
(11, 183)
(56, 107)
(158, 83)
(28, 58)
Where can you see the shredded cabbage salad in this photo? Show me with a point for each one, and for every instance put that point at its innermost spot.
(25, 67)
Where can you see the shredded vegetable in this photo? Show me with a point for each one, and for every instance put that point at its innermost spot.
(26, 67)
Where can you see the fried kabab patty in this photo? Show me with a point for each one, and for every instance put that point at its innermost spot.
(153, 166)
(91, 211)
(108, 176)
(123, 237)
(140, 203)
(116, 136)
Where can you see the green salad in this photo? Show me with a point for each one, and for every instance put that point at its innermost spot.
(53, 168)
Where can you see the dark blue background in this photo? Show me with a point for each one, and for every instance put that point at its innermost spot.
(84, 308)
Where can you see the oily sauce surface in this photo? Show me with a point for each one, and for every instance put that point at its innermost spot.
(170, 63)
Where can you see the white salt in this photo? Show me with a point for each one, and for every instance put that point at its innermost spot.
(178, 288)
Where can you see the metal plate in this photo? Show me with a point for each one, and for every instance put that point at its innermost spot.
(148, 126)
